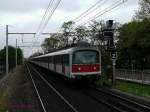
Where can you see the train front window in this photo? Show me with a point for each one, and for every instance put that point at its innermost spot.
(85, 57)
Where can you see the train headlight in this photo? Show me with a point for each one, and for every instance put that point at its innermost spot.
(94, 68)
(79, 68)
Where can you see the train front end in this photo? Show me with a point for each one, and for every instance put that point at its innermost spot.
(86, 64)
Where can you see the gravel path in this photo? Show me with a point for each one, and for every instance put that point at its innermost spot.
(16, 93)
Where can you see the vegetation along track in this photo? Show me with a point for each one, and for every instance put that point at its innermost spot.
(117, 102)
(47, 93)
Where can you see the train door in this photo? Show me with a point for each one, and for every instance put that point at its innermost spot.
(65, 67)
(55, 61)
(63, 64)
(48, 62)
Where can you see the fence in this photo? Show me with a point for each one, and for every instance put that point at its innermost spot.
(134, 75)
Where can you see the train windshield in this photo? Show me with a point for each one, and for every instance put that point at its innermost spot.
(86, 57)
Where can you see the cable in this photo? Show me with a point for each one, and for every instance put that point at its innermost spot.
(45, 14)
(52, 12)
(87, 10)
(113, 6)
(95, 6)
(94, 9)
(109, 10)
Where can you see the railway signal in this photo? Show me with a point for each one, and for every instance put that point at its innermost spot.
(108, 34)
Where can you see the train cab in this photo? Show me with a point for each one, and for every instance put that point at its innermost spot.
(86, 63)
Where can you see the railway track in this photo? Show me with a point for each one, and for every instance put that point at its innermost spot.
(75, 96)
(105, 98)
(45, 106)
(125, 102)
(115, 101)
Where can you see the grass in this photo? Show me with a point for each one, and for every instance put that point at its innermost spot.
(104, 81)
(2, 109)
(134, 88)
(126, 86)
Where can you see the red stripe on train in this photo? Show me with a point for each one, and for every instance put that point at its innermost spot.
(86, 68)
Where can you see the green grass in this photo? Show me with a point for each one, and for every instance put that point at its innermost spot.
(134, 88)
(2, 109)
(103, 81)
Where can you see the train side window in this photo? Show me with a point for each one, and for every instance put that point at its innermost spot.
(54, 57)
(44, 59)
(58, 59)
(65, 59)
(50, 59)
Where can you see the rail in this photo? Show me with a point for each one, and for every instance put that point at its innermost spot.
(58, 93)
(35, 87)
(127, 103)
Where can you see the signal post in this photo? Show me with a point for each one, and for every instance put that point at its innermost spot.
(108, 33)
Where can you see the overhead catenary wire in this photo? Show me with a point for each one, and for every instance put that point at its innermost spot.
(106, 10)
(50, 15)
(115, 6)
(91, 10)
(47, 11)
(45, 14)
(80, 17)
(94, 7)
(87, 10)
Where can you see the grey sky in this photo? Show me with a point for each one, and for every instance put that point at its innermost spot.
(25, 16)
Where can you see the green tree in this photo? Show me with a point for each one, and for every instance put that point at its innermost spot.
(50, 44)
(67, 28)
(95, 33)
(81, 33)
(11, 56)
(134, 44)
(144, 10)
(19, 56)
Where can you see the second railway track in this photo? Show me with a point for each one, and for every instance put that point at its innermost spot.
(123, 102)
(47, 93)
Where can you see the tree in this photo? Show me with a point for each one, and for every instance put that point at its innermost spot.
(134, 44)
(95, 32)
(144, 10)
(19, 56)
(11, 56)
(67, 31)
(50, 44)
(81, 33)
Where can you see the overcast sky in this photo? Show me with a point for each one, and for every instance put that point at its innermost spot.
(25, 16)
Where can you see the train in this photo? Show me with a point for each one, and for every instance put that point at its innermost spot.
(79, 62)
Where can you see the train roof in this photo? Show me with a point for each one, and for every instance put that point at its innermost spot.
(66, 51)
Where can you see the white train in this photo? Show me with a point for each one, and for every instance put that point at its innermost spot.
(74, 63)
